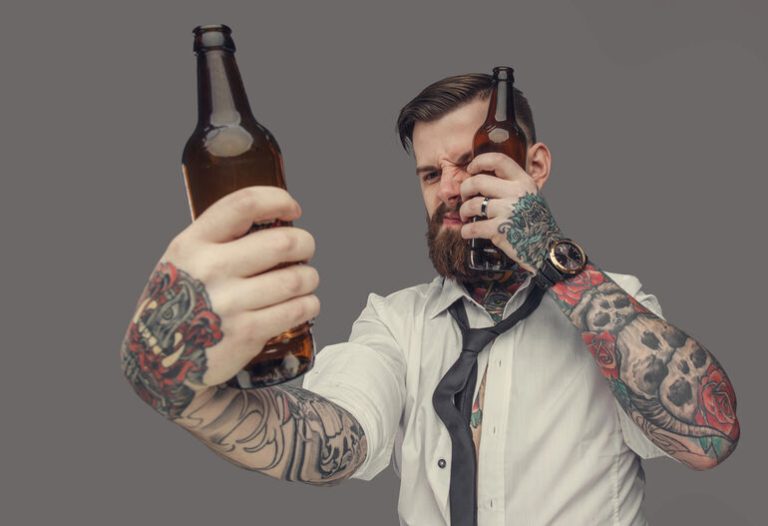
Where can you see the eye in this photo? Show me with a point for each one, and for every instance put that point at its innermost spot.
(171, 312)
(429, 176)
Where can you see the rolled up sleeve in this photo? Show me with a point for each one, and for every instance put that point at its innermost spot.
(366, 377)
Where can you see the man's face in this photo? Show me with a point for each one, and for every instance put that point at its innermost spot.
(443, 149)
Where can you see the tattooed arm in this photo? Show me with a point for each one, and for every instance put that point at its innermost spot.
(668, 383)
(285, 432)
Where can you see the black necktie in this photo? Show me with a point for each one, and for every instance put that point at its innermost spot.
(452, 401)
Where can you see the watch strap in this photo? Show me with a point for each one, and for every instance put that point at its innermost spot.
(547, 275)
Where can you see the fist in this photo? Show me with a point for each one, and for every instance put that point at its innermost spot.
(217, 296)
(517, 218)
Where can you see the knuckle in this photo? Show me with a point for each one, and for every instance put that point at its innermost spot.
(184, 251)
(212, 268)
(245, 198)
(493, 157)
(284, 241)
(225, 305)
(293, 282)
(252, 333)
(245, 329)
(176, 247)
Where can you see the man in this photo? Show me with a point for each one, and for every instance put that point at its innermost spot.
(551, 441)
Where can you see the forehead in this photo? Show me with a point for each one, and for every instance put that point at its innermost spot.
(451, 135)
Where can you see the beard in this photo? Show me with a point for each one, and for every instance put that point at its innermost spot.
(448, 251)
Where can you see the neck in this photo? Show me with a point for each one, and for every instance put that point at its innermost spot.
(221, 98)
(493, 290)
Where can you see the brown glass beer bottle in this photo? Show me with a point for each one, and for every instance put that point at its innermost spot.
(499, 133)
(229, 150)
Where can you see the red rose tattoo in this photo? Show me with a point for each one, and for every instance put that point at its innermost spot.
(572, 290)
(166, 340)
(717, 402)
(603, 348)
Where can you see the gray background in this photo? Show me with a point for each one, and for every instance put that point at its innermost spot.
(655, 115)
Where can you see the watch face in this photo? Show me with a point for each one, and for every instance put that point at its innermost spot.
(568, 257)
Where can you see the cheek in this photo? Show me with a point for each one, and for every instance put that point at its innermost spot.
(431, 201)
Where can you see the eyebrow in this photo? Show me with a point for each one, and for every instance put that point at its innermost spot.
(464, 159)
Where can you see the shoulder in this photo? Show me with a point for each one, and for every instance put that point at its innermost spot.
(401, 309)
(408, 298)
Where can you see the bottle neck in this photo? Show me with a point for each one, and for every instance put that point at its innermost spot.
(502, 105)
(221, 98)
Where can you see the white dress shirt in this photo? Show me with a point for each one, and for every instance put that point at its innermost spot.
(556, 448)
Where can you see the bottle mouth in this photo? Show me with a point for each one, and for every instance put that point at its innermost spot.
(212, 27)
(504, 73)
(213, 36)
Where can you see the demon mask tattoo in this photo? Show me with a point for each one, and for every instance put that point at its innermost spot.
(166, 341)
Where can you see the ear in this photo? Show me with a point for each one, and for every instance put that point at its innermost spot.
(539, 163)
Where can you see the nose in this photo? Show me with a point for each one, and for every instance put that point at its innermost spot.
(450, 183)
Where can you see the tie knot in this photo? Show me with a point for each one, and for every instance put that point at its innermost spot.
(475, 340)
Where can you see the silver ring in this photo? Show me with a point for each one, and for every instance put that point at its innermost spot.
(484, 208)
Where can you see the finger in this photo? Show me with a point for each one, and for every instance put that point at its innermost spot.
(271, 321)
(233, 215)
(473, 208)
(497, 163)
(482, 228)
(264, 249)
(484, 185)
(270, 288)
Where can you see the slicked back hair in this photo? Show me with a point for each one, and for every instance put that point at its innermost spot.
(446, 95)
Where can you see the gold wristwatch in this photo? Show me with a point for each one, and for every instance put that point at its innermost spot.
(565, 258)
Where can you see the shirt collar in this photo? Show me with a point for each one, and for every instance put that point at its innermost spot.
(451, 290)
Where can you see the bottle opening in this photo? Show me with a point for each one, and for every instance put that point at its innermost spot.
(213, 36)
(504, 73)
(212, 27)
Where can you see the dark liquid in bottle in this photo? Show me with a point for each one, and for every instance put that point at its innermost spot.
(227, 151)
(499, 133)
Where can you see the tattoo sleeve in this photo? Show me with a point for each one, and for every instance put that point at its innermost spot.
(669, 384)
(285, 432)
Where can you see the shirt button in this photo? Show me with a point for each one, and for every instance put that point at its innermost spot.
(441, 463)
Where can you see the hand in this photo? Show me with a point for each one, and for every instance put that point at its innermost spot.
(215, 299)
(519, 221)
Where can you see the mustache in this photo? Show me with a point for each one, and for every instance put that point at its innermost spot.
(442, 210)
